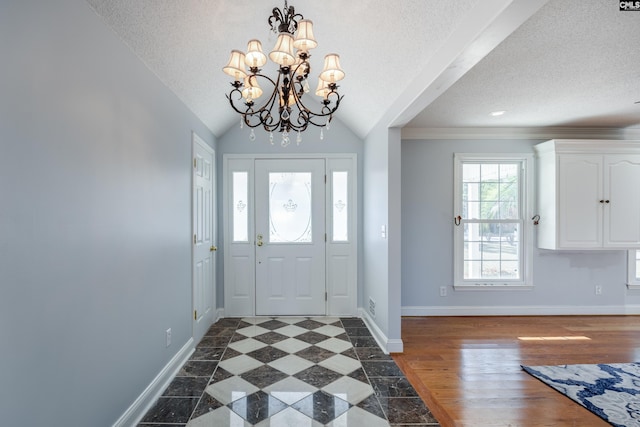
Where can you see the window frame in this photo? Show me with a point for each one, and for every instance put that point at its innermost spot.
(526, 200)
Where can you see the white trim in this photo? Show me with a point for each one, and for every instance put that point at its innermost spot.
(133, 415)
(526, 161)
(247, 308)
(385, 344)
(542, 310)
(484, 133)
(484, 287)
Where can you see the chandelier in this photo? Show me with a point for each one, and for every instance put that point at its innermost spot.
(283, 110)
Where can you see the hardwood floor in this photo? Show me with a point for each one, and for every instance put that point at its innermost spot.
(467, 369)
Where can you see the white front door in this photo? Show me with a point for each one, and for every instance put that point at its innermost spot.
(203, 238)
(290, 237)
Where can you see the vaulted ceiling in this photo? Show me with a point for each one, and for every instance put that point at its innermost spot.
(437, 63)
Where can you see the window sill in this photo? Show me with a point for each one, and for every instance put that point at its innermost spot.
(633, 285)
(495, 287)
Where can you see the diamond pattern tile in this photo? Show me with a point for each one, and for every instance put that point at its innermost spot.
(289, 371)
(263, 376)
(322, 407)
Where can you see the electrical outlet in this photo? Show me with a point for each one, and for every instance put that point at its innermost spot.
(598, 290)
(443, 291)
(168, 337)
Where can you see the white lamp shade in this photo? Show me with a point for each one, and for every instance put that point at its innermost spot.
(304, 36)
(323, 89)
(282, 53)
(235, 67)
(255, 57)
(251, 88)
(332, 71)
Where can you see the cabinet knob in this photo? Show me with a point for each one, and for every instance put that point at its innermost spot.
(606, 201)
(601, 201)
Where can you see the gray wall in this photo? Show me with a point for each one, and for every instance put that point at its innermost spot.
(95, 222)
(338, 139)
(563, 281)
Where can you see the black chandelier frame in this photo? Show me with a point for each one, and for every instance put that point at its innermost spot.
(288, 89)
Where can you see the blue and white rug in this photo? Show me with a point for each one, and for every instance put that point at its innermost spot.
(611, 391)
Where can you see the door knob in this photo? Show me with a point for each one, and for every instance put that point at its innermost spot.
(213, 248)
(259, 243)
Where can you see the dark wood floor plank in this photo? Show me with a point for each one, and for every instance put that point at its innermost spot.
(467, 369)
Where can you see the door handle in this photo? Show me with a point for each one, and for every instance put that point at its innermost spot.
(213, 248)
(259, 242)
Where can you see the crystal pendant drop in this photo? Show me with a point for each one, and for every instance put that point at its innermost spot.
(328, 127)
(299, 138)
(321, 134)
(271, 137)
(252, 136)
(241, 124)
(285, 139)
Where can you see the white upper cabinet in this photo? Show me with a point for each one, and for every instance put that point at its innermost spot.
(588, 194)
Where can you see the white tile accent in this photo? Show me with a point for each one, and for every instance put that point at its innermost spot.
(342, 364)
(334, 344)
(240, 364)
(287, 418)
(231, 389)
(291, 330)
(290, 390)
(246, 346)
(346, 388)
(291, 364)
(252, 331)
(291, 345)
(356, 417)
(291, 320)
(329, 330)
(220, 417)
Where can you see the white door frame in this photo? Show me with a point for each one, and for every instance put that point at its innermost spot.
(211, 317)
(239, 256)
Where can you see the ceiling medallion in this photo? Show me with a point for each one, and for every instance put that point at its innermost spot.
(283, 110)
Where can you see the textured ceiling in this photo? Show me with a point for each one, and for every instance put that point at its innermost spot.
(573, 63)
(382, 45)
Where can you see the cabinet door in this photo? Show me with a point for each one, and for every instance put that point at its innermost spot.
(622, 192)
(579, 193)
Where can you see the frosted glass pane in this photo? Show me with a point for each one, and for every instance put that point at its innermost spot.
(240, 207)
(290, 207)
(340, 207)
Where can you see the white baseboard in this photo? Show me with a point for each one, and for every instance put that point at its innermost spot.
(550, 310)
(145, 401)
(385, 344)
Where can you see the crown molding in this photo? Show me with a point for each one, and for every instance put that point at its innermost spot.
(520, 133)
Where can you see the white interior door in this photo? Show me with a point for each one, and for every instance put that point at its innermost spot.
(290, 237)
(203, 238)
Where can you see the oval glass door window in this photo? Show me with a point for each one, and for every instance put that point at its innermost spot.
(290, 207)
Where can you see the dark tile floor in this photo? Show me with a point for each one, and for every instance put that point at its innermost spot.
(285, 371)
